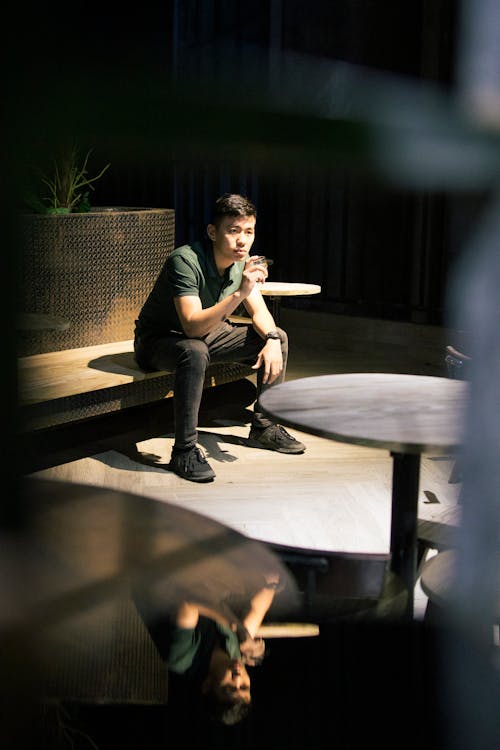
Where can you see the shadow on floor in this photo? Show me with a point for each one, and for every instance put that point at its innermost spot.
(227, 404)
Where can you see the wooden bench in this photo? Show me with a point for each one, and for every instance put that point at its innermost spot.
(78, 402)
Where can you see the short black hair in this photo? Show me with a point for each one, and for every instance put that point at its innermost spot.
(224, 713)
(232, 204)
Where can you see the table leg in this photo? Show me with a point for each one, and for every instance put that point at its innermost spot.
(404, 515)
(275, 308)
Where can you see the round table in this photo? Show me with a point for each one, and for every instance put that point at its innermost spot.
(84, 545)
(438, 578)
(87, 556)
(405, 414)
(275, 290)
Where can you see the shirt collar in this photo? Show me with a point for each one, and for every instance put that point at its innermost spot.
(206, 254)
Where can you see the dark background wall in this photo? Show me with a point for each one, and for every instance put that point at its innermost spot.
(376, 248)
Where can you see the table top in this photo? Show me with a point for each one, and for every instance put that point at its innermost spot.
(287, 288)
(85, 545)
(402, 413)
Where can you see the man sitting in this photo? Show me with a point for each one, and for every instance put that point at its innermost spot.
(184, 325)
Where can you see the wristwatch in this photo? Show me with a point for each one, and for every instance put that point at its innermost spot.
(277, 586)
(274, 585)
(272, 335)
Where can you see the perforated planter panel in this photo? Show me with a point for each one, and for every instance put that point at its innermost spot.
(91, 272)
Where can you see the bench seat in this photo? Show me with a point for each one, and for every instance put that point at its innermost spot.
(80, 402)
(60, 387)
(44, 377)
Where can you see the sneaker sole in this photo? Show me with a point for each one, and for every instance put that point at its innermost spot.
(201, 479)
(290, 451)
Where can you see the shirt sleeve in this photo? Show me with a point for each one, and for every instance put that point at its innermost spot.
(183, 647)
(231, 641)
(183, 276)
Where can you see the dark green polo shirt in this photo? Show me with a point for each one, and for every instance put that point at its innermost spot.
(190, 649)
(188, 271)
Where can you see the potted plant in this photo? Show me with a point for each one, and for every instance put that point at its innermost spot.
(68, 185)
(90, 267)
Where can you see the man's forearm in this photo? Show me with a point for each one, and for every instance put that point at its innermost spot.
(259, 606)
(263, 322)
(201, 322)
(187, 616)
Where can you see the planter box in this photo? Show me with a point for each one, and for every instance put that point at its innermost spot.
(91, 272)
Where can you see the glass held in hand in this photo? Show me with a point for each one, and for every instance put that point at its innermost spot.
(260, 260)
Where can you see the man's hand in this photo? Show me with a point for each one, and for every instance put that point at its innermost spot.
(271, 359)
(252, 274)
(252, 651)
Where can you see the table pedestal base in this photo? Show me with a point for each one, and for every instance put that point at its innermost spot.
(405, 487)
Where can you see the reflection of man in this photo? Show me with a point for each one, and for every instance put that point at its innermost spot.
(211, 649)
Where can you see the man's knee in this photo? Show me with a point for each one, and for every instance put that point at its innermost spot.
(193, 353)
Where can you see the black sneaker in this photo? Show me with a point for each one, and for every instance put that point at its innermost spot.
(191, 464)
(276, 438)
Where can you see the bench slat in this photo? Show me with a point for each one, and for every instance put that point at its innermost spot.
(44, 377)
(58, 388)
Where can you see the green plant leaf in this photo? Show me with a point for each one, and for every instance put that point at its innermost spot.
(65, 184)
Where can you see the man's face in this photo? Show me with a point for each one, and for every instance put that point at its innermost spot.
(232, 239)
(231, 682)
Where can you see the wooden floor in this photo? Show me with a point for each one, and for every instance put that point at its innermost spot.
(333, 497)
